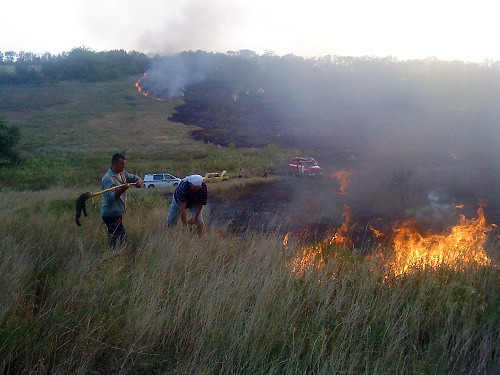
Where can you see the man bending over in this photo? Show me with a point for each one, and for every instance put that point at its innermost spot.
(191, 193)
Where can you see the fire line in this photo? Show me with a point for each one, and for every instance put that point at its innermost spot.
(461, 246)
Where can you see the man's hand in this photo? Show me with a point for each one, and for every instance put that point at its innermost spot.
(139, 183)
(121, 190)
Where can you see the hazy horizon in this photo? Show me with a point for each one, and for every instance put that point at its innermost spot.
(449, 30)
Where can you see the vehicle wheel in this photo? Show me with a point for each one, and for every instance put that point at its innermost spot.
(176, 184)
(151, 186)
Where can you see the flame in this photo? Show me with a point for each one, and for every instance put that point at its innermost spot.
(285, 240)
(341, 235)
(459, 206)
(376, 232)
(309, 259)
(463, 245)
(313, 256)
(343, 177)
(144, 92)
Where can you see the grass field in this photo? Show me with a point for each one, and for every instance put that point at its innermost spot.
(174, 302)
(8, 69)
(70, 130)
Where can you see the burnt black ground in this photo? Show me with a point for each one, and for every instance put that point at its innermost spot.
(313, 205)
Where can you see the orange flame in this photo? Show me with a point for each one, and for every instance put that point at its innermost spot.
(312, 257)
(376, 232)
(285, 240)
(343, 177)
(463, 245)
(144, 92)
(309, 259)
(341, 235)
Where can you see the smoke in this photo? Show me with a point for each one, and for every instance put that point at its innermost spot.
(193, 25)
(169, 76)
(377, 118)
(163, 27)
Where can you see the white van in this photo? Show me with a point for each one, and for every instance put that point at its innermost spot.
(160, 180)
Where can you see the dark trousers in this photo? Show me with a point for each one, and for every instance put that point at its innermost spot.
(116, 230)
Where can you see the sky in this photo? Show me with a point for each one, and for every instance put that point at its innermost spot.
(446, 29)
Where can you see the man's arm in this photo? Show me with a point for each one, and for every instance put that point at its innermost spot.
(108, 182)
(199, 207)
(182, 209)
(129, 177)
(120, 191)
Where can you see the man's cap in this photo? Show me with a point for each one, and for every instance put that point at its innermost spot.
(195, 179)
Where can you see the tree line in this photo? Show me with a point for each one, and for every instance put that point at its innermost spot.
(81, 64)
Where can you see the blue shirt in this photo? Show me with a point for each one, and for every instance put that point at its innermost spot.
(184, 194)
(112, 206)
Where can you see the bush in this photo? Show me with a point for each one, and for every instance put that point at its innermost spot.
(9, 138)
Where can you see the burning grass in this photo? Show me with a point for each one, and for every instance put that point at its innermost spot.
(460, 247)
(178, 303)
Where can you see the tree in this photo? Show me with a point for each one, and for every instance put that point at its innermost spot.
(9, 138)
(9, 57)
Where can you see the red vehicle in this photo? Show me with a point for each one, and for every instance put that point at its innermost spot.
(300, 166)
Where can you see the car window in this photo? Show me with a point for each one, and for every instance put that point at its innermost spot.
(158, 177)
(168, 177)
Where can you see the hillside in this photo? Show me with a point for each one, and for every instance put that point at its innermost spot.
(70, 129)
(283, 282)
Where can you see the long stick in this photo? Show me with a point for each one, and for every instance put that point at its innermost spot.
(110, 189)
(80, 201)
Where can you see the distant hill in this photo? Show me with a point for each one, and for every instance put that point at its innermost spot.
(434, 110)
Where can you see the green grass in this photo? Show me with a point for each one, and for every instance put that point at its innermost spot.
(177, 303)
(8, 68)
(70, 130)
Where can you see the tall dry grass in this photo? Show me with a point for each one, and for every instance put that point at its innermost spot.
(174, 302)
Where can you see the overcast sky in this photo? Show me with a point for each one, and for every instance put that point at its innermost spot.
(447, 29)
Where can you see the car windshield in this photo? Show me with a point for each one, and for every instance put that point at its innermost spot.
(311, 163)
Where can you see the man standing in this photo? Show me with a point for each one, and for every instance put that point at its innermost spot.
(191, 193)
(114, 202)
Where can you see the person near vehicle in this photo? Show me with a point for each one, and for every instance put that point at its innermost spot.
(190, 194)
(114, 202)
